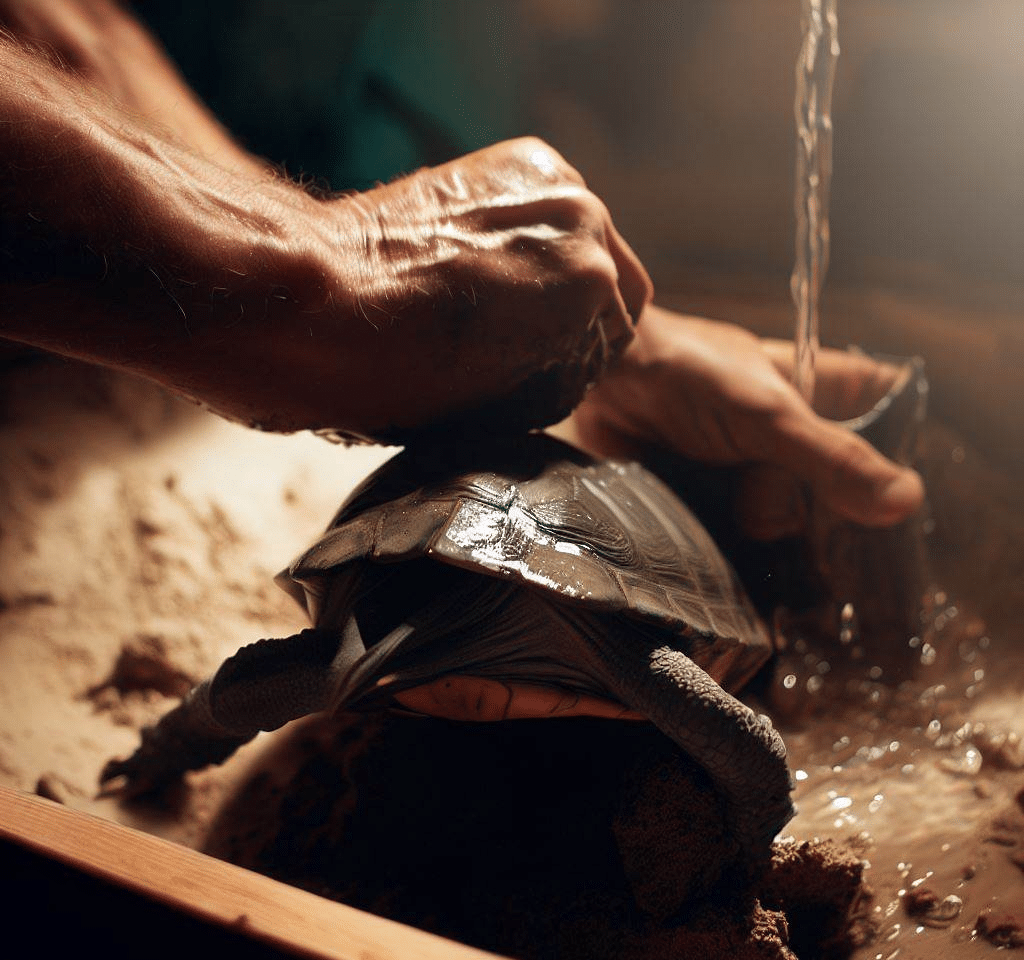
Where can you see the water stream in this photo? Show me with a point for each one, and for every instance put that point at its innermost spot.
(815, 75)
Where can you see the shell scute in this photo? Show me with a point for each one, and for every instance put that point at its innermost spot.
(607, 535)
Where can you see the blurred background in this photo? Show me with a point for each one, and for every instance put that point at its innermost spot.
(681, 116)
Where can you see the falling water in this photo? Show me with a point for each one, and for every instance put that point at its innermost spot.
(815, 74)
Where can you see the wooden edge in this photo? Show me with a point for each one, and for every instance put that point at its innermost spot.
(214, 891)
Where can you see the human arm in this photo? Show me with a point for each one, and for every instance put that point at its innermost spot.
(714, 392)
(495, 283)
(99, 45)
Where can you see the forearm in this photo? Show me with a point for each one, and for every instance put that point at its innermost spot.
(487, 292)
(122, 247)
(81, 175)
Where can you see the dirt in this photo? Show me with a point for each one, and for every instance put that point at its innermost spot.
(578, 838)
(138, 542)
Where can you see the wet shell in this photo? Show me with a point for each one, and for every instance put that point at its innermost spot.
(605, 536)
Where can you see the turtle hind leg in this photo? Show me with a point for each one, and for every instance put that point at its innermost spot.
(262, 687)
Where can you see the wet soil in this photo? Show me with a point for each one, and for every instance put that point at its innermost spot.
(574, 838)
(138, 542)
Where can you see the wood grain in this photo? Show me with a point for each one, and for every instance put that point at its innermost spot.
(294, 921)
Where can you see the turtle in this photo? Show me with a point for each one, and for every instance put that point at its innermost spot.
(510, 566)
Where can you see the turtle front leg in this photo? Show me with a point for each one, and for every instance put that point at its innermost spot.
(262, 687)
(187, 738)
(741, 751)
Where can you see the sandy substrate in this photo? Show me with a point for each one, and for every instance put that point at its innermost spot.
(138, 542)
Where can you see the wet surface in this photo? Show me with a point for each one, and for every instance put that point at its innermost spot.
(907, 749)
(911, 749)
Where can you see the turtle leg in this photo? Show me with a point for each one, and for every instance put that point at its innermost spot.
(741, 751)
(261, 687)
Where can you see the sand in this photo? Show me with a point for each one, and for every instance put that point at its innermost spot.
(138, 541)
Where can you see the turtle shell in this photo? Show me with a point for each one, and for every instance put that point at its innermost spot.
(607, 537)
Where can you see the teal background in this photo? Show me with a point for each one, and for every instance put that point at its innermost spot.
(350, 92)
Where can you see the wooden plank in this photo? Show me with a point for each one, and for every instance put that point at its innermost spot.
(220, 893)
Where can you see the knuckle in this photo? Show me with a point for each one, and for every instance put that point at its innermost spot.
(589, 211)
(540, 157)
(592, 271)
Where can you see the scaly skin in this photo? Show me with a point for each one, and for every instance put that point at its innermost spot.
(271, 682)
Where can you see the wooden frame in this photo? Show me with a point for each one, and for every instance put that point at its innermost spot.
(177, 889)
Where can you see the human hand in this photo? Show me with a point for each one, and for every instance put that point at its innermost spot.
(490, 289)
(484, 294)
(714, 392)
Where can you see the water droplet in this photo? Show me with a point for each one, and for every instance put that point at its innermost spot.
(789, 681)
(799, 775)
(814, 684)
(942, 914)
(875, 673)
(967, 763)
(847, 624)
(928, 654)
(841, 803)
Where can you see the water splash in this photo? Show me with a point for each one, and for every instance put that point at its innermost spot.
(815, 76)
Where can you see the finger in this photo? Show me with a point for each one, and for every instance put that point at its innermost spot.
(615, 325)
(845, 472)
(635, 285)
(610, 327)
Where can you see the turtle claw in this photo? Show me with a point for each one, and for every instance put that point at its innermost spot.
(148, 770)
(178, 743)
